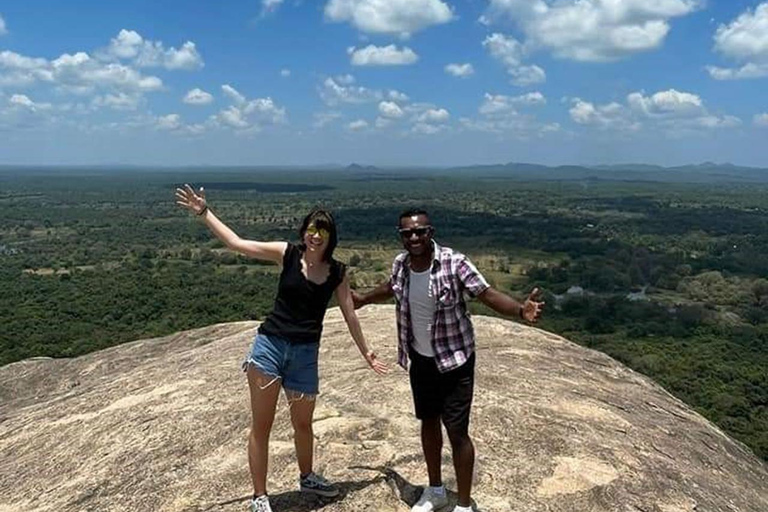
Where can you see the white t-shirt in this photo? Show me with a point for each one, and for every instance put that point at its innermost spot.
(422, 304)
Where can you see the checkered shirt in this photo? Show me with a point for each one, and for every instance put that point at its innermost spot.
(451, 275)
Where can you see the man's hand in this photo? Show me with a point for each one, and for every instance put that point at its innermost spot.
(357, 299)
(532, 306)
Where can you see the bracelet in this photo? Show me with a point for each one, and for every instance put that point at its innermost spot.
(202, 212)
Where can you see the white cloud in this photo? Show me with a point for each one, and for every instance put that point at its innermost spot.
(23, 101)
(502, 115)
(510, 52)
(184, 58)
(323, 119)
(499, 104)
(198, 97)
(232, 117)
(744, 40)
(345, 79)
(746, 37)
(381, 56)
(397, 17)
(672, 111)
(268, 6)
(356, 126)
(21, 71)
(397, 96)
(264, 110)
(749, 70)
(170, 122)
(126, 45)
(610, 116)
(433, 115)
(342, 90)
(592, 30)
(130, 45)
(13, 60)
(248, 114)
(426, 129)
(119, 101)
(77, 73)
(23, 113)
(390, 110)
(761, 120)
(460, 70)
(232, 93)
(81, 71)
(285, 73)
(382, 122)
(3, 29)
(670, 102)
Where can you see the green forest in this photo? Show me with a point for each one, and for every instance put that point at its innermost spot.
(668, 277)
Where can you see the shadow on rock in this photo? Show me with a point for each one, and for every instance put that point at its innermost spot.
(406, 491)
(297, 501)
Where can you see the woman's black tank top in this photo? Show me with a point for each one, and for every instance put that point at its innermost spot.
(300, 305)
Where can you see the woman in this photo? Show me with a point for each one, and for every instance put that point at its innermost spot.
(286, 346)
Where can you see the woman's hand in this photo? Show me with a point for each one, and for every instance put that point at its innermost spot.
(376, 365)
(193, 202)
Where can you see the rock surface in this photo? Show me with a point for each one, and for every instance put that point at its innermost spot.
(161, 425)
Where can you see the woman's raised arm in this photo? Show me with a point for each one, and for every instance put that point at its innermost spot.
(196, 203)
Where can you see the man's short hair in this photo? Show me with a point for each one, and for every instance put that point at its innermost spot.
(411, 212)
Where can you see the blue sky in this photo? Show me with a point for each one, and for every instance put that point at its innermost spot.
(384, 82)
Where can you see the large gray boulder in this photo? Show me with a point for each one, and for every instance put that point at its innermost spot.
(161, 425)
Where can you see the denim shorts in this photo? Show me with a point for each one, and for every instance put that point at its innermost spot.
(294, 363)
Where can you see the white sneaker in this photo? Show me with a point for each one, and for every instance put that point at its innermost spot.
(430, 500)
(260, 504)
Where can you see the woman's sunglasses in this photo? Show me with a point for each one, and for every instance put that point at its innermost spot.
(313, 230)
(419, 232)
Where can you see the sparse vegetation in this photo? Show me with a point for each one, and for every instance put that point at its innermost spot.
(668, 279)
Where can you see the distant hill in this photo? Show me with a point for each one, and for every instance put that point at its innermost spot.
(707, 172)
(358, 167)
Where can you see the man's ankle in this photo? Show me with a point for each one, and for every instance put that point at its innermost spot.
(438, 489)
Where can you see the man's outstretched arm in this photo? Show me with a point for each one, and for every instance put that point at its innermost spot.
(381, 293)
(530, 310)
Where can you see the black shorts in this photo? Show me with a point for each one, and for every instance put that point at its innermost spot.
(442, 395)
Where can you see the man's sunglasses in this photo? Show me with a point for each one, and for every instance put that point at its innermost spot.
(419, 232)
(313, 230)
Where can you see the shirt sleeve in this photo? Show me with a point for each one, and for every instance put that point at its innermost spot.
(471, 278)
(396, 264)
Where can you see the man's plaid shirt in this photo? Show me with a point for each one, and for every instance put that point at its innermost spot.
(452, 274)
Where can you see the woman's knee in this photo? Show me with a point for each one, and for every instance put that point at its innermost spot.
(261, 427)
(302, 424)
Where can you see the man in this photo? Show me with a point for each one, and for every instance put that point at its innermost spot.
(428, 282)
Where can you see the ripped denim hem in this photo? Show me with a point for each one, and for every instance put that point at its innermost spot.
(294, 395)
(261, 369)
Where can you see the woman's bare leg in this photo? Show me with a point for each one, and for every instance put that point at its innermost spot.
(264, 390)
(302, 409)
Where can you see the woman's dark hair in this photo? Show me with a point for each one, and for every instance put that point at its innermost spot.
(322, 219)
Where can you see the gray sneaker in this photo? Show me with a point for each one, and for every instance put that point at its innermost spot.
(260, 504)
(430, 500)
(316, 484)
